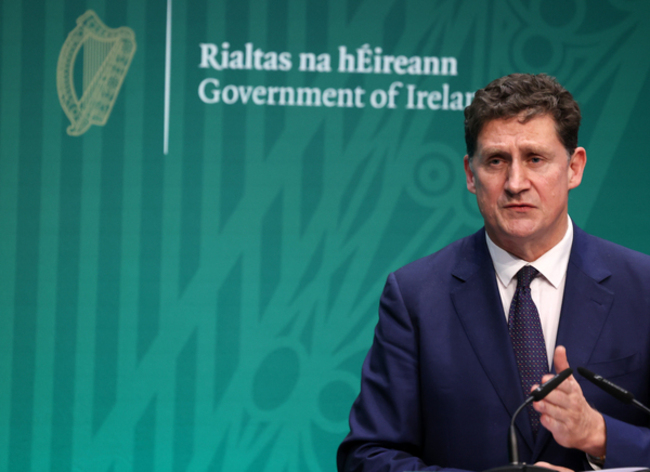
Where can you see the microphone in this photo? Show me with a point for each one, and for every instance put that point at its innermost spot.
(547, 387)
(613, 389)
(536, 395)
(513, 452)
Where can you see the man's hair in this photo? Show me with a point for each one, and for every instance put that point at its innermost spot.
(525, 96)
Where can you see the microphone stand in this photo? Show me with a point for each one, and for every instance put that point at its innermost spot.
(513, 451)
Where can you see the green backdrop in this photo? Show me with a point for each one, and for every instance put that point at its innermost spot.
(193, 285)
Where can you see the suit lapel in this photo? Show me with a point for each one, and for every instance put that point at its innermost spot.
(586, 302)
(480, 310)
(585, 306)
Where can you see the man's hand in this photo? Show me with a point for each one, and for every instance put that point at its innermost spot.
(554, 467)
(568, 416)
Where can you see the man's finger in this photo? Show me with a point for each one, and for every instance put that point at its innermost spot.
(547, 377)
(563, 386)
(559, 359)
(554, 467)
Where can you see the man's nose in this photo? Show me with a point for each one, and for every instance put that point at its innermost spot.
(517, 178)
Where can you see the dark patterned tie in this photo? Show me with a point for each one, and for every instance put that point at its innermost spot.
(527, 338)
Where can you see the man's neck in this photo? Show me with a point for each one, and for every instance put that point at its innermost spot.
(530, 250)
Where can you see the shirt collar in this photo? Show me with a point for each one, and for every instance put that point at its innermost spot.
(552, 264)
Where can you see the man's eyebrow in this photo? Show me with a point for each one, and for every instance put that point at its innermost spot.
(525, 148)
(536, 149)
(493, 150)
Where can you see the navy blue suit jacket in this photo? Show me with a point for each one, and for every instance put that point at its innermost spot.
(440, 382)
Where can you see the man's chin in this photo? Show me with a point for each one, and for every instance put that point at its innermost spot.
(521, 234)
(518, 229)
(517, 235)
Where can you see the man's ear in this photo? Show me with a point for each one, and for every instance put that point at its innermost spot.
(576, 168)
(469, 174)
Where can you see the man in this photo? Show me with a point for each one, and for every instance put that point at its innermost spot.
(462, 331)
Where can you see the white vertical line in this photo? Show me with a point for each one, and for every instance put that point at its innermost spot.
(168, 68)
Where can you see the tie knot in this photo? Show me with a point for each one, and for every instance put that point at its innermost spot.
(525, 275)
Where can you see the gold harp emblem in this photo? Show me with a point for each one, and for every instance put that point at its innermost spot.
(107, 55)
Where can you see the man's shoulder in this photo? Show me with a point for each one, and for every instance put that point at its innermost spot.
(469, 250)
(592, 251)
(588, 252)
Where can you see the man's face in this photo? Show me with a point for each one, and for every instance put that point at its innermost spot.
(521, 175)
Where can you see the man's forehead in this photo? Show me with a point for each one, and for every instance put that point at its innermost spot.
(536, 131)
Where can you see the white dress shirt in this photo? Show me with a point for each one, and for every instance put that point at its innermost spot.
(546, 289)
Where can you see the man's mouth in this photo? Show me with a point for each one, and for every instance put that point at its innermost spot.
(519, 206)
